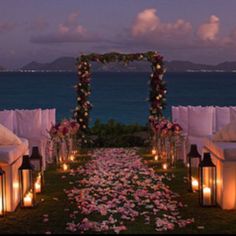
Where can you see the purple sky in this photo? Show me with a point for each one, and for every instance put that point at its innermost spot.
(200, 31)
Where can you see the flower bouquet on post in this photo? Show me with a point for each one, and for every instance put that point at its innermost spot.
(63, 136)
(167, 138)
(71, 140)
(74, 128)
(56, 137)
(156, 142)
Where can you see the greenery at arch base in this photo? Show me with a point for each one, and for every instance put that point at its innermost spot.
(157, 93)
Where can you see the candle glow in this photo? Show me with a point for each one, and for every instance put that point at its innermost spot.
(164, 166)
(28, 200)
(37, 184)
(207, 195)
(154, 152)
(37, 187)
(16, 185)
(72, 157)
(195, 184)
(156, 158)
(65, 167)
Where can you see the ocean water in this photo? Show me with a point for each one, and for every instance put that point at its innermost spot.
(119, 96)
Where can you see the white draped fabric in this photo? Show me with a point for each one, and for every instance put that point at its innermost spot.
(6, 119)
(200, 122)
(32, 127)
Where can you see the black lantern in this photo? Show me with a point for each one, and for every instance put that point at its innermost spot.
(194, 159)
(36, 161)
(2, 192)
(207, 182)
(27, 193)
(38, 183)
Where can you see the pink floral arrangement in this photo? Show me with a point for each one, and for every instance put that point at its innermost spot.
(64, 129)
(165, 127)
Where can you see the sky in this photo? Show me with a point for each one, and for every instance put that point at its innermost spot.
(202, 31)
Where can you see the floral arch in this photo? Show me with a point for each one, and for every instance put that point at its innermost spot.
(157, 95)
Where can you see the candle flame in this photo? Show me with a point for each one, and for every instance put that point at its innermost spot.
(37, 184)
(16, 185)
(164, 166)
(72, 157)
(206, 190)
(154, 152)
(28, 199)
(195, 184)
(65, 167)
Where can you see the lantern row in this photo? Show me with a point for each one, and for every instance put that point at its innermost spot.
(31, 181)
(202, 175)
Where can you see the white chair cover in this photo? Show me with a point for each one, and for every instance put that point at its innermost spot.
(29, 126)
(45, 122)
(183, 118)
(175, 114)
(200, 121)
(6, 119)
(232, 113)
(49, 148)
(52, 116)
(222, 117)
(28, 123)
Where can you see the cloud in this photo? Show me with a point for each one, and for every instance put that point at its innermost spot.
(62, 29)
(146, 21)
(70, 31)
(149, 25)
(7, 26)
(228, 42)
(208, 31)
(208, 36)
(174, 39)
(148, 32)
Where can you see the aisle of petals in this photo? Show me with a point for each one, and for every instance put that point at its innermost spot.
(117, 188)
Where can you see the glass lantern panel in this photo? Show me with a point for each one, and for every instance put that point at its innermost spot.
(194, 167)
(208, 185)
(38, 183)
(1, 198)
(36, 164)
(26, 180)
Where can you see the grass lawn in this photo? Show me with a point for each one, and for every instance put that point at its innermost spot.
(52, 203)
(51, 213)
(214, 220)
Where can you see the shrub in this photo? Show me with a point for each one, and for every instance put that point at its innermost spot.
(115, 134)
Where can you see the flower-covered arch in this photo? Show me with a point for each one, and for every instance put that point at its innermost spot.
(157, 95)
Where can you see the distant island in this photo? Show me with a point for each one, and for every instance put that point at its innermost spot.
(2, 68)
(68, 64)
